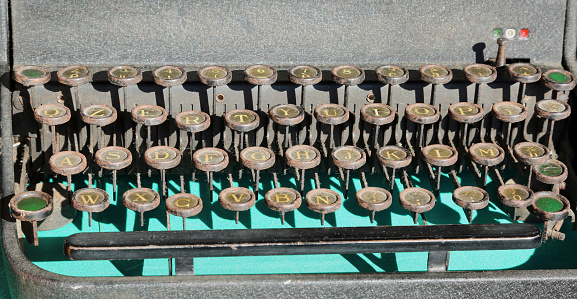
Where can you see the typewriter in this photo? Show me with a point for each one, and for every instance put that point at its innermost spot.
(273, 149)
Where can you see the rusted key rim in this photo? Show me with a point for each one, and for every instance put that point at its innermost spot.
(500, 109)
(74, 75)
(552, 109)
(206, 166)
(201, 121)
(43, 114)
(488, 154)
(31, 75)
(114, 164)
(378, 114)
(524, 78)
(409, 202)
(258, 80)
(383, 201)
(290, 204)
(257, 158)
(67, 165)
(305, 81)
(162, 157)
(93, 200)
(422, 113)
(388, 78)
(458, 112)
(549, 205)
(529, 153)
(471, 198)
(140, 117)
(150, 202)
(136, 75)
(355, 80)
(286, 114)
(28, 215)
(224, 79)
(294, 154)
(98, 115)
(558, 176)
(334, 202)
(550, 82)
(167, 81)
(480, 78)
(444, 155)
(393, 156)
(184, 205)
(442, 79)
(242, 199)
(348, 157)
(338, 114)
(509, 195)
(235, 121)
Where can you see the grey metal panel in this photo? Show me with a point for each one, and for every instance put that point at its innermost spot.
(280, 33)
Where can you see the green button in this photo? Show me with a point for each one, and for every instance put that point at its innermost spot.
(497, 33)
(551, 169)
(557, 77)
(549, 204)
(32, 204)
(32, 73)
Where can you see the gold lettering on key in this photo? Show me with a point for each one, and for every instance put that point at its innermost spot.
(146, 112)
(422, 111)
(157, 155)
(66, 162)
(281, 197)
(89, 199)
(113, 155)
(284, 111)
(51, 112)
(305, 153)
(322, 199)
(394, 155)
(208, 157)
(489, 152)
(333, 112)
(190, 119)
(441, 153)
(241, 118)
(183, 203)
(97, 112)
(465, 110)
(237, 196)
(258, 156)
(140, 197)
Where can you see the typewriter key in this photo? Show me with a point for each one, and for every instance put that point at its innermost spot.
(509, 112)
(31, 206)
(524, 73)
(68, 163)
(480, 73)
(99, 116)
(113, 158)
(486, 154)
(124, 75)
(169, 76)
(192, 121)
(287, 115)
(162, 158)
(467, 113)
(31, 75)
(374, 200)
(323, 201)
(436, 75)
(148, 115)
(532, 154)
(257, 158)
(183, 205)
(141, 200)
(515, 196)
(348, 75)
(242, 121)
(418, 201)
(423, 114)
(551, 207)
(392, 75)
(305, 75)
(210, 160)
(214, 76)
(395, 157)
(331, 114)
(377, 114)
(74, 75)
(440, 156)
(470, 198)
(302, 157)
(283, 200)
(559, 80)
(52, 116)
(236, 199)
(552, 109)
(259, 75)
(551, 172)
(91, 200)
(350, 158)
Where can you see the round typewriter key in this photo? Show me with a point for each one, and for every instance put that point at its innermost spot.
(467, 113)
(52, 115)
(283, 200)
(113, 158)
(348, 75)
(436, 75)
(74, 75)
(302, 157)
(260, 75)
(286, 114)
(31, 75)
(440, 156)
(377, 114)
(331, 114)
(192, 121)
(394, 157)
(471, 198)
(417, 200)
(392, 74)
(169, 76)
(148, 115)
(350, 158)
(305, 75)
(323, 201)
(236, 199)
(183, 205)
(423, 114)
(141, 200)
(509, 112)
(532, 154)
(124, 75)
(242, 120)
(68, 163)
(31, 206)
(551, 172)
(162, 158)
(91, 200)
(552, 109)
(480, 73)
(486, 154)
(524, 72)
(550, 206)
(374, 200)
(210, 160)
(257, 158)
(515, 196)
(560, 80)
(214, 76)
(98, 115)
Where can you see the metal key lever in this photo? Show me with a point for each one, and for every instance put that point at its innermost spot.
(332, 240)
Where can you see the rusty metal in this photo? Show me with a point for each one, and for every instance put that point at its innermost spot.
(283, 200)
(184, 205)
(169, 75)
(501, 59)
(417, 200)
(515, 195)
(487, 154)
(162, 157)
(257, 158)
(479, 73)
(242, 120)
(141, 200)
(302, 157)
(305, 75)
(510, 112)
(440, 155)
(260, 74)
(374, 199)
(331, 114)
(556, 85)
(74, 75)
(552, 109)
(192, 121)
(395, 157)
(20, 75)
(378, 114)
(113, 157)
(25, 215)
(67, 163)
(92, 200)
(124, 75)
(52, 114)
(541, 170)
(236, 199)
(524, 72)
(148, 115)
(323, 201)
(422, 113)
(214, 75)
(392, 74)
(348, 75)
(435, 74)
(98, 115)
(548, 215)
(348, 157)
(531, 153)
(464, 112)
(210, 159)
(286, 114)
(471, 197)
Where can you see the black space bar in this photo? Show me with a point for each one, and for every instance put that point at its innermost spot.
(290, 241)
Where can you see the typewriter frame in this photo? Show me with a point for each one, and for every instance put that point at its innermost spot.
(28, 280)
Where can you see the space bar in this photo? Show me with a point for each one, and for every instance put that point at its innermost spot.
(295, 241)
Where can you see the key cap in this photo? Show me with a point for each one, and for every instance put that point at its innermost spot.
(257, 158)
(183, 205)
(331, 114)
(551, 207)
(162, 158)
(214, 76)
(470, 198)
(523, 73)
(486, 154)
(377, 114)
(374, 200)
(31, 206)
(515, 196)
(169, 76)
(553, 111)
(395, 157)
(349, 158)
(323, 201)
(435, 74)
(283, 200)
(422, 114)
(242, 121)
(302, 157)
(287, 115)
(236, 199)
(305, 75)
(210, 160)
(148, 115)
(124, 76)
(392, 75)
(465, 114)
(440, 156)
(113, 158)
(30, 76)
(480, 74)
(91, 200)
(52, 116)
(509, 113)
(68, 163)
(98, 116)
(260, 75)
(418, 201)
(559, 80)
(348, 75)
(532, 154)
(552, 172)
(141, 200)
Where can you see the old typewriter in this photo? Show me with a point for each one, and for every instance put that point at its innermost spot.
(273, 149)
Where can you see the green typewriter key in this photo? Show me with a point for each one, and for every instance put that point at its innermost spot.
(236, 199)
(283, 200)
(394, 157)
(260, 75)
(480, 74)
(68, 163)
(113, 158)
(286, 115)
(332, 115)
(515, 196)
(349, 158)
(31, 206)
(302, 157)
(91, 200)
(214, 76)
(510, 113)
(98, 116)
(124, 76)
(374, 200)
(323, 201)
(305, 75)
(561, 81)
(418, 201)
(52, 116)
(552, 208)
(378, 115)
(523, 73)
(242, 121)
(148, 115)
(348, 75)
(552, 110)
(209, 160)
(162, 158)
(183, 205)
(257, 158)
(486, 154)
(141, 200)
(470, 198)
(532, 154)
(440, 156)
(435, 74)
(551, 172)
(392, 75)
(30, 76)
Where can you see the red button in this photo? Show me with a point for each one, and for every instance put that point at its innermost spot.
(524, 33)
